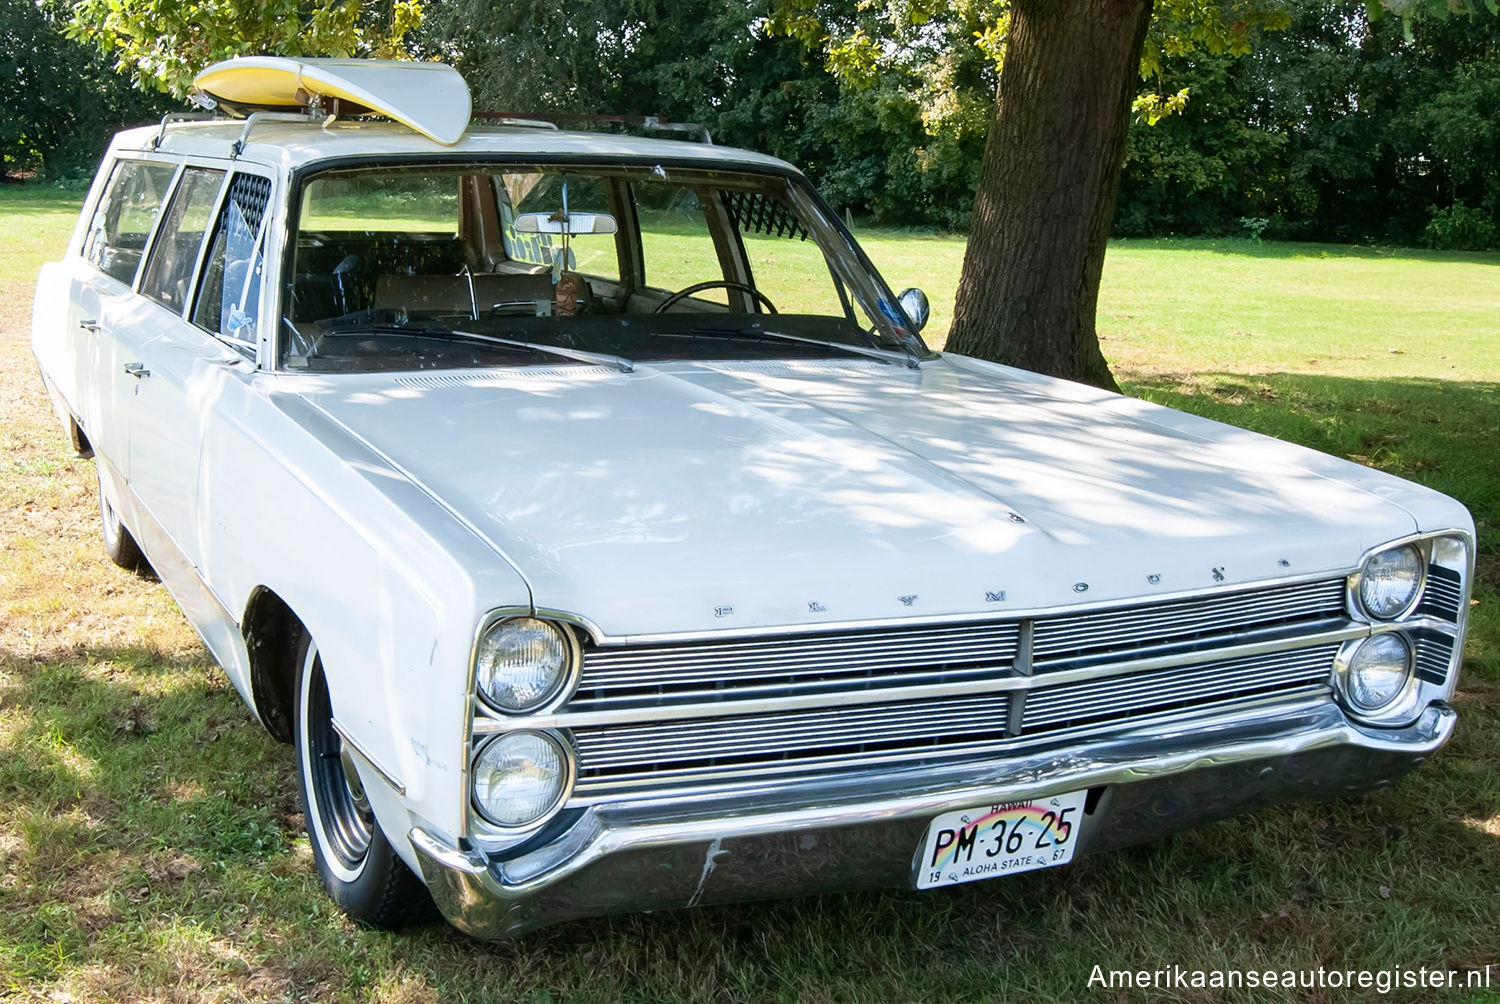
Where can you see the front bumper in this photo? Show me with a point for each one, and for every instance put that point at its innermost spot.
(865, 832)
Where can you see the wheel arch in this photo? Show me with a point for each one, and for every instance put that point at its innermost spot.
(78, 439)
(271, 632)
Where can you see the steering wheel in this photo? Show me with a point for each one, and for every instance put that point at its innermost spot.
(699, 287)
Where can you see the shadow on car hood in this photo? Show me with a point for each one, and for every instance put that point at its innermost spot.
(737, 495)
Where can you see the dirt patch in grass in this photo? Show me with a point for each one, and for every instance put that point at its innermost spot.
(60, 596)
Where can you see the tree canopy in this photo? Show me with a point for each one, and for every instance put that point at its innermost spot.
(62, 99)
(1339, 128)
(162, 44)
(1328, 119)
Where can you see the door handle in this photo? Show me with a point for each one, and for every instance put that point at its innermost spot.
(91, 326)
(137, 370)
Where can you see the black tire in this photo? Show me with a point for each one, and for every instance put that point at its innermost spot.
(118, 543)
(361, 871)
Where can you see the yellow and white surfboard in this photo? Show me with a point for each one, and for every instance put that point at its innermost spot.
(431, 98)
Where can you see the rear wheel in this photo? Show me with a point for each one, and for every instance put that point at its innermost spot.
(357, 864)
(118, 543)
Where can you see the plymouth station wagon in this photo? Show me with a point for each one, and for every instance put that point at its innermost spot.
(591, 518)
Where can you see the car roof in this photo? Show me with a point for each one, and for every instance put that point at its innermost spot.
(292, 145)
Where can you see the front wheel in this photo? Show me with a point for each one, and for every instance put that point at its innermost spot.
(357, 864)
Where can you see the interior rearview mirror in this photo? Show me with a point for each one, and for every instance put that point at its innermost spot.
(570, 223)
(914, 305)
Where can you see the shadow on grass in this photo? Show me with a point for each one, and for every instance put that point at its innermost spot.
(39, 202)
(1298, 249)
(152, 834)
(149, 832)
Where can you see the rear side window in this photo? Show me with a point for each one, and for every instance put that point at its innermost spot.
(125, 215)
(230, 297)
(169, 272)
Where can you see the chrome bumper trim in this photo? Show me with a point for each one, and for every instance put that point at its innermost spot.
(863, 831)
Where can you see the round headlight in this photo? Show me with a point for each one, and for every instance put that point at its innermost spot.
(520, 777)
(521, 664)
(1390, 581)
(1378, 672)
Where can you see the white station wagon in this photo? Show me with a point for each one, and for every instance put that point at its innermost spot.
(589, 515)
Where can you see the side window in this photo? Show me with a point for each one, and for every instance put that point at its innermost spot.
(229, 298)
(123, 219)
(784, 263)
(677, 242)
(169, 272)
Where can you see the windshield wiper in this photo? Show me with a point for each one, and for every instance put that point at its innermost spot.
(579, 355)
(891, 356)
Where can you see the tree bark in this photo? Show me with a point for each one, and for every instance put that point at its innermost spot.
(1046, 198)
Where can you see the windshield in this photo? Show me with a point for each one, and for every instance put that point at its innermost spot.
(400, 268)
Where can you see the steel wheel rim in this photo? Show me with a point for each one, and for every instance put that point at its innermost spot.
(108, 516)
(343, 827)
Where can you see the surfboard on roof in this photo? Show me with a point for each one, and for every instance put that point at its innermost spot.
(431, 98)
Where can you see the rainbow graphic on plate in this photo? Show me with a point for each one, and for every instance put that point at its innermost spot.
(1035, 817)
(1001, 838)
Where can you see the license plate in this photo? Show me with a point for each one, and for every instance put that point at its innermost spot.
(1001, 839)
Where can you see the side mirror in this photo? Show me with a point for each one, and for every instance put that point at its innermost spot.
(572, 223)
(914, 305)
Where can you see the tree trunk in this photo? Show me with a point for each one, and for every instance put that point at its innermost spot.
(1046, 198)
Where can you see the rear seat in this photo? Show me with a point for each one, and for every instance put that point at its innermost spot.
(453, 294)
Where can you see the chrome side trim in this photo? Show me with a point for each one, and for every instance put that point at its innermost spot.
(390, 779)
(565, 719)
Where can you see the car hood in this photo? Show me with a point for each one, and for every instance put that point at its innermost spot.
(745, 495)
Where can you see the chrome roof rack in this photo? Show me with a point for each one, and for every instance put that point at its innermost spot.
(310, 116)
(554, 120)
(173, 117)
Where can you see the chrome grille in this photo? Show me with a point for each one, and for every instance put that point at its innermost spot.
(782, 738)
(619, 759)
(1444, 595)
(1434, 655)
(657, 674)
(1070, 637)
(1124, 697)
(1092, 671)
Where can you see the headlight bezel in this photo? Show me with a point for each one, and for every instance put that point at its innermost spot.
(569, 756)
(1401, 706)
(567, 681)
(1422, 548)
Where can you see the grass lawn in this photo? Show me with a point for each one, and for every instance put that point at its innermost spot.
(151, 847)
